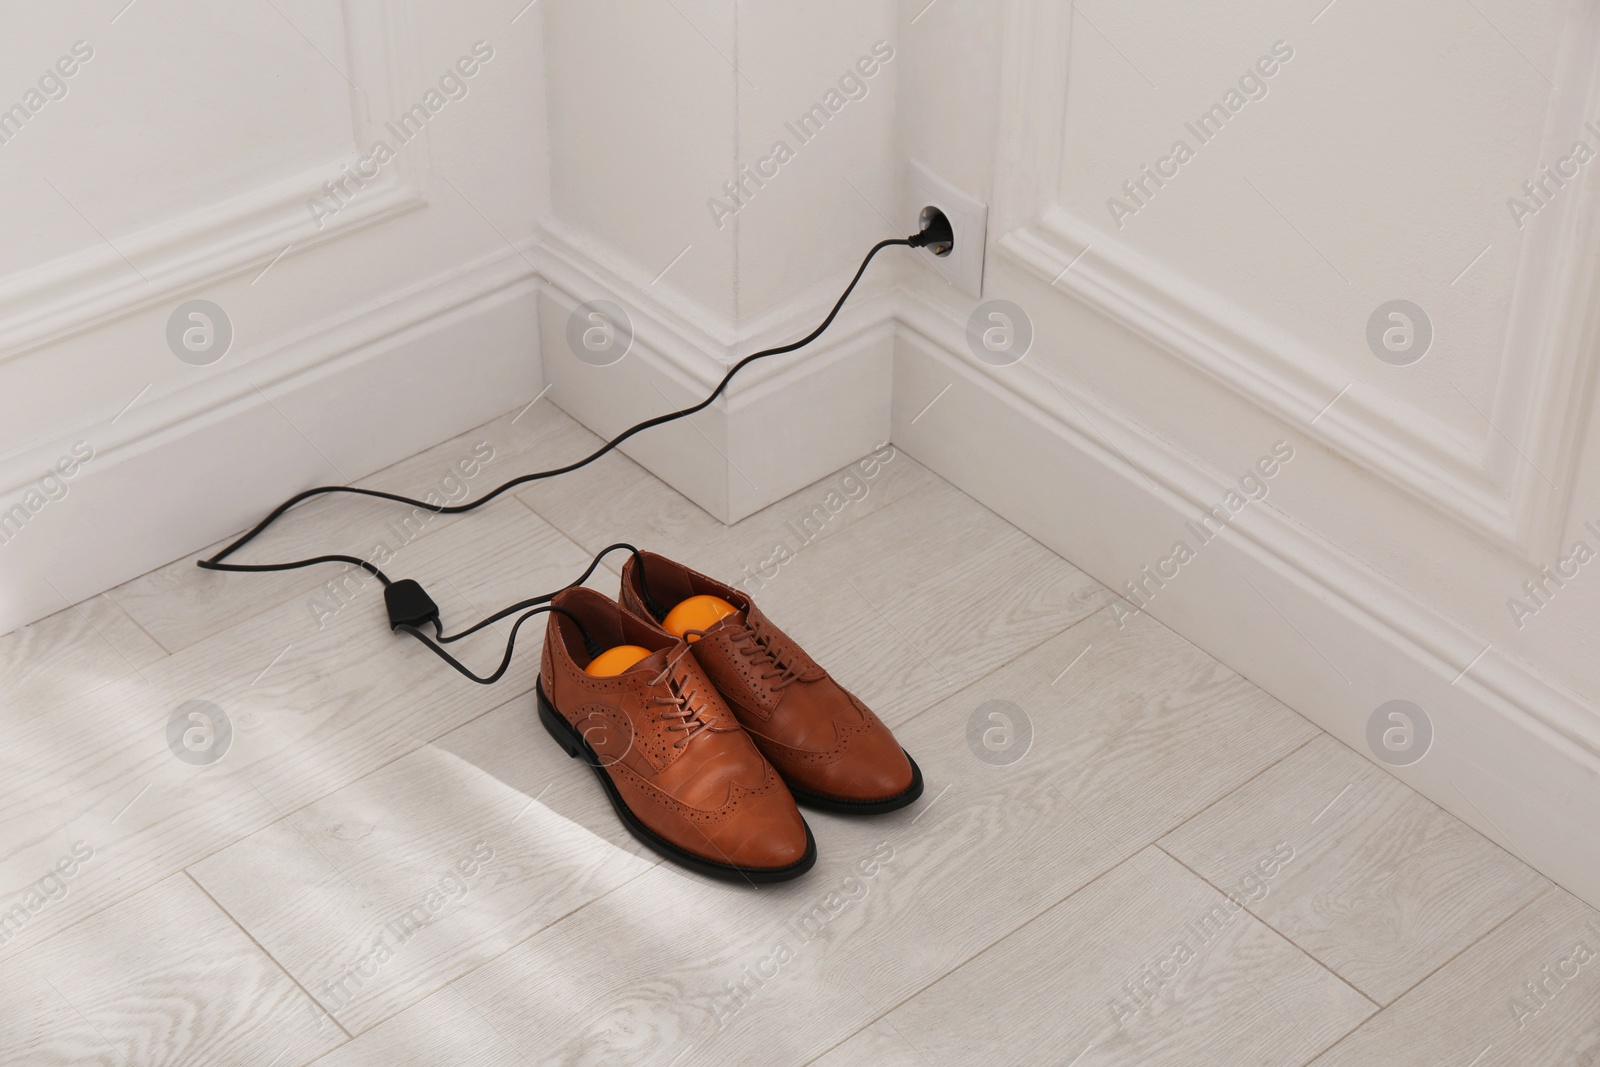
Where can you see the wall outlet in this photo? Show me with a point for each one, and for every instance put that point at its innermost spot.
(969, 218)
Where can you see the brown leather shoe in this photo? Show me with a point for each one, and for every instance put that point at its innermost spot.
(682, 774)
(831, 749)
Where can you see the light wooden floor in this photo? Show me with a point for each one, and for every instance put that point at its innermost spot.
(1065, 907)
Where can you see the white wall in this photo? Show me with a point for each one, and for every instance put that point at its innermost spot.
(1176, 344)
(653, 108)
(179, 165)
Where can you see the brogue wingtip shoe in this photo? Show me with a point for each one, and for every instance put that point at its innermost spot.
(682, 775)
(830, 748)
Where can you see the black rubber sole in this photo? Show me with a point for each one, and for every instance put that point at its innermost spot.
(843, 806)
(575, 746)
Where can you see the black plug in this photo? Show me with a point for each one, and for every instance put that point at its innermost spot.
(409, 605)
(936, 235)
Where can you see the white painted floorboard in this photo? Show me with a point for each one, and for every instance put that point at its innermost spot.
(1126, 854)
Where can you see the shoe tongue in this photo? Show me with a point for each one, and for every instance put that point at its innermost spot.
(739, 619)
(654, 663)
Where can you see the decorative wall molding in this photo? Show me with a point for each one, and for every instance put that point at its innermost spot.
(84, 290)
(1270, 367)
(1492, 712)
(1511, 485)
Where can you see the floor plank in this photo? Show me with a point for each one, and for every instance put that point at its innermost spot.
(442, 1031)
(311, 709)
(913, 602)
(378, 895)
(1149, 965)
(878, 1045)
(1385, 886)
(1478, 1010)
(96, 778)
(162, 978)
(1134, 726)
(68, 654)
(511, 745)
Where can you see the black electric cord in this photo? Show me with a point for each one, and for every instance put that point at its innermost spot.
(544, 597)
(409, 606)
(511, 642)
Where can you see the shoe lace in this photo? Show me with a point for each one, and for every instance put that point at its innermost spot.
(686, 703)
(758, 645)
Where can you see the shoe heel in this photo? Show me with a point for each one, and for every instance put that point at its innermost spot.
(555, 725)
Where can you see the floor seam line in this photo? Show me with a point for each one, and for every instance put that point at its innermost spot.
(263, 950)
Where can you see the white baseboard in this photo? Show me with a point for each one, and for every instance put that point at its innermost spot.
(182, 471)
(784, 422)
(1513, 755)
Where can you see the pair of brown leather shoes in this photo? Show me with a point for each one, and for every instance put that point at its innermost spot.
(705, 722)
